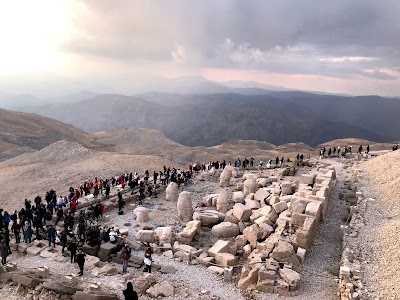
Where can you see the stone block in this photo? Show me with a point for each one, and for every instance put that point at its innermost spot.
(145, 236)
(107, 248)
(22, 247)
(90, 250)
(225, 259)
(280, 207)
(225, 230)
(253, 204)
(93, 296)
(36, 249)
(103, 256)
(222, 246)
(241, 212)
(215, 270)
(261, 195)
(308, 178)
(26, 281)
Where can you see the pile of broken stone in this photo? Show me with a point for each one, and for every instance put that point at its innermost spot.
(265, 225)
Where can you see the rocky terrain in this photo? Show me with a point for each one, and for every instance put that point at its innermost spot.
(321, 230)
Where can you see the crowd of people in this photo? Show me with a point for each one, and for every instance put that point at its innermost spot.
(341, 152)
(58, 220)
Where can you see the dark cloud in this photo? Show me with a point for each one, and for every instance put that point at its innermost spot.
(282, 36)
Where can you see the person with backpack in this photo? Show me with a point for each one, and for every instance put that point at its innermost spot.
(126, 254)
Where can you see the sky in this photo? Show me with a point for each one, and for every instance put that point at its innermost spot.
(339, 46)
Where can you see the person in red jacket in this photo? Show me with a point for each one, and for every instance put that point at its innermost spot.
(101, 206)
(73, 204)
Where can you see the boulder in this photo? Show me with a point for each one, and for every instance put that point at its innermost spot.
(186, 236)
(206, 176)
(143, 282)
(145, 236)
(208, 200)
(291, 277)
(287, 188)
(238, 197)
(222, 246)
(261, 195)
(226, 176)
(215, 270)
(108, 270)
(208, 217)
(163, 234)
(172, 192)
(229, 217)
(225, 259)
(163, 289)
(223, 201)
(225, 230)
(26, 280)
(184, 206)
(167, 270)
(252, 204)
(280, 207)
(241, 212)
(142, 214)
(284, 253)
(252, 234)
(250, 186)
(79, 295)
(308, 178)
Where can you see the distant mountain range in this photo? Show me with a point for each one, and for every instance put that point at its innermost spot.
(277, 117)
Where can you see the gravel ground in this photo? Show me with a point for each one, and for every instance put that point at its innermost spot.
(380, 236)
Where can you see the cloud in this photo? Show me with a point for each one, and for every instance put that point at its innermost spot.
(337, 39)
(377, 74)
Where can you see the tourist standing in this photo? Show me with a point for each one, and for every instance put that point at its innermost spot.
(27, 232)
(51, 235)
(80, 259)
(126, 254)
(72, 247)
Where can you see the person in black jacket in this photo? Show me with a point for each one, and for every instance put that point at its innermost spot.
(129, 293)
(72, 247)
(80, 259)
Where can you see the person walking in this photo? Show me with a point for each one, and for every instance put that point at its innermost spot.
(129, 292)
(80, 259)
(126, 254)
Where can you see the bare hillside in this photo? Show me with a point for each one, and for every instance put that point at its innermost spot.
(24, 132)
(33, 174)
